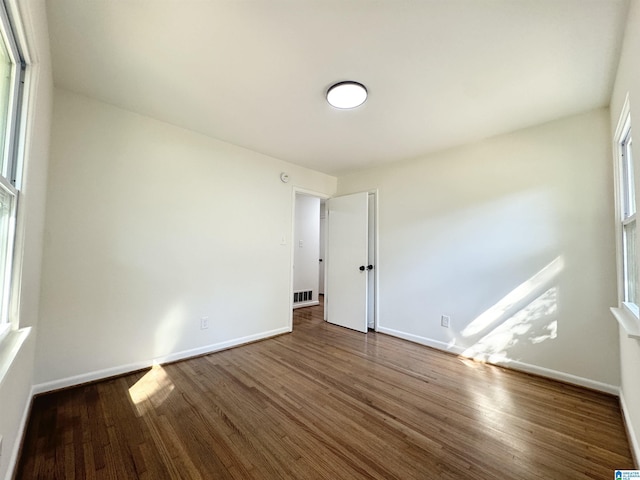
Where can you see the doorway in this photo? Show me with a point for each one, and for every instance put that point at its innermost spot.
(312, 257)
(306, 251)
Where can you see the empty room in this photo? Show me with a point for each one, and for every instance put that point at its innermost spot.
(255, 239)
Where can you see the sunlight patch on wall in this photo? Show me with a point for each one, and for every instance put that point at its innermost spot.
(169, 330)
(516, 299)
(528, 315)
(535, 323)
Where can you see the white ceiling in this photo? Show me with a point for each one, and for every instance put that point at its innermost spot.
(254, 73)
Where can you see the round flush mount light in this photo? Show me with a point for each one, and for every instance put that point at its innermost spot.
(346, 95)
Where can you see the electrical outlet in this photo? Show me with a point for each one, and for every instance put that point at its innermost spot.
(445, 320)
(204, 323)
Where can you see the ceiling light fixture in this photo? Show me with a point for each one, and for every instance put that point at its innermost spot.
(346, 95)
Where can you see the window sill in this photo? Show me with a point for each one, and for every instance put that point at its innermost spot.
(9, 349)
(629, 322)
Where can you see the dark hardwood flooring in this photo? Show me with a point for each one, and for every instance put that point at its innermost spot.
(325, 403)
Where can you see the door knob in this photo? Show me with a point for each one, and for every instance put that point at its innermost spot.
(369, 267)
(362, 268)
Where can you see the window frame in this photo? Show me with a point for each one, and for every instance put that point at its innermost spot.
(628, 214)
(11, 163)
(626, 208)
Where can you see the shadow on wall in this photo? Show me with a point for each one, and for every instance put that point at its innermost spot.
(529, 313)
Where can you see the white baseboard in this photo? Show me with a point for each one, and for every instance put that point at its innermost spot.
(421, 340)
(89, 377)
(634, 443)
(132, 367)
(305, 304)
(15, 451)
(513, 364)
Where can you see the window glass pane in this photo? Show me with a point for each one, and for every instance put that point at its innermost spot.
(6, 72)
(630, 264)
(6, 211)
(630, 194)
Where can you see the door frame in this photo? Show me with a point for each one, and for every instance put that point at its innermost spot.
(292, 234)
(376, 248)
(376, 260)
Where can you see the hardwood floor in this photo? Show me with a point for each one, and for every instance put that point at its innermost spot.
(325, 403)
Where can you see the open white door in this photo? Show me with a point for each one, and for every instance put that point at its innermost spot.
(347, 260)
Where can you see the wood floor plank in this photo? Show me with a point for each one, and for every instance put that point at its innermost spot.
(325, 403)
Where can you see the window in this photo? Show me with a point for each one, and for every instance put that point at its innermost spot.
(630, 269)
(12, 70)
(627, 212)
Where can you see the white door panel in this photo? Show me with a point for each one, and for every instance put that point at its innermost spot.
(347, 261)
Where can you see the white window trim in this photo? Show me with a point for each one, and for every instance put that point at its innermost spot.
(628, 320)
(627, 314)
(11, 178)
(12, 335)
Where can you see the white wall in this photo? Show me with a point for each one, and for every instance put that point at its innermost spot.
(151, 227)
(513, 238)
(628, 81)
(15, 386)
(306, 245)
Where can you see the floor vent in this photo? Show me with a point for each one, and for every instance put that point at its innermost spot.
(303, 296)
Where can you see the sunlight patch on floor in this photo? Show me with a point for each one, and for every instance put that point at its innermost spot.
(155, 387)
(493, 404)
